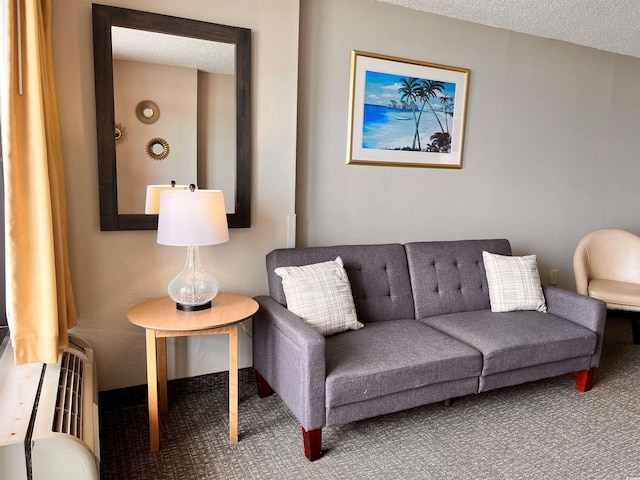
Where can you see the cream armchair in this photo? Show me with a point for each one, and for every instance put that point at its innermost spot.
(606, 265)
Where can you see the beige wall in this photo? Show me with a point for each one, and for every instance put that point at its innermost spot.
(112, 271)
(551, 145)
(174, 90)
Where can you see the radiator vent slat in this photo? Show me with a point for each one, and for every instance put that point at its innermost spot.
(68, 414)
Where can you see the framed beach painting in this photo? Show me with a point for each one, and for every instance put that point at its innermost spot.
(406, 112)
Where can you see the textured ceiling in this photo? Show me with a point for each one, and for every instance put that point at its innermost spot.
(610, 25)
(151, 47)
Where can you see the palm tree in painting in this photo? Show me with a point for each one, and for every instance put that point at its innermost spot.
(411, 90)
(429, 89)
(447, 108)
(440, 142)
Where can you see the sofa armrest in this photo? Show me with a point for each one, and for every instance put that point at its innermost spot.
(290, 356)
(588, 312)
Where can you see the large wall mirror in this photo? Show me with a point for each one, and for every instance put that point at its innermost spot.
(172, 104)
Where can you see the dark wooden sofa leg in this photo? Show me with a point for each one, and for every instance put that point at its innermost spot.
(312, 443)
(264, 389)
(584, 379)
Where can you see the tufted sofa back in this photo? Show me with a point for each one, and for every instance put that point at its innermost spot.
(378, 275)
(449, 277)
(396, 282)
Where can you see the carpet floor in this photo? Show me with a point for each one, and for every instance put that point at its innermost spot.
(541, 430)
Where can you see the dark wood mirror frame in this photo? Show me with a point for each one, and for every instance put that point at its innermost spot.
(105, 17)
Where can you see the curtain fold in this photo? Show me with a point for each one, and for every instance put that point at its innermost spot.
(40, 302)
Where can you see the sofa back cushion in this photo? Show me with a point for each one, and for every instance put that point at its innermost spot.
(449, 277)
(378, 275)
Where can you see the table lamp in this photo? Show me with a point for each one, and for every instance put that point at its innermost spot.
(192, 218)
(152, 200)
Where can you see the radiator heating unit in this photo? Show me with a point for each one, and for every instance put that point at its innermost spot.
(49, 425)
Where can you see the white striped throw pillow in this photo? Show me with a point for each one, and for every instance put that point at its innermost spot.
(321, 295)
(514, 283)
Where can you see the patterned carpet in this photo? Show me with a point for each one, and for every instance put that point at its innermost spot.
(542, 430)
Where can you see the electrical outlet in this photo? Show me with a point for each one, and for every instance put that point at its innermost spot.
(554, 276)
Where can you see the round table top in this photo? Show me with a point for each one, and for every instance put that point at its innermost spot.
(161, 313)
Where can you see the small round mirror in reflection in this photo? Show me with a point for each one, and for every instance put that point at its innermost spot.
(147, 112)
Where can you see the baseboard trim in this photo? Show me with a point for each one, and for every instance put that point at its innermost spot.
(135, 396)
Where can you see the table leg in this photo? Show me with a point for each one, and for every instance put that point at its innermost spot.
(162, 374)
(152, 385)
(233, 384)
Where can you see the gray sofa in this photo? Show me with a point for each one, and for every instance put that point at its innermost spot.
(429, 335)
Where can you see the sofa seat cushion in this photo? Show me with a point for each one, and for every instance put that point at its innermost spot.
(513, 340)
(393, 356)
(619, 295)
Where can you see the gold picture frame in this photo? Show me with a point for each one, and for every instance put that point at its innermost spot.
(406, 112)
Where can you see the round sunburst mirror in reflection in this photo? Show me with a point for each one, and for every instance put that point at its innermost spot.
(120, 133)
(158, 148)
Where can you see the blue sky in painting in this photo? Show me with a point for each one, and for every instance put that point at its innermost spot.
(380, 88)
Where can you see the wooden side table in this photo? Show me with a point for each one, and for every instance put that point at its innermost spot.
(160, 318)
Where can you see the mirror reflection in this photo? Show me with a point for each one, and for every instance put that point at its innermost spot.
(157, 149)
(191, 81)
(172, 103)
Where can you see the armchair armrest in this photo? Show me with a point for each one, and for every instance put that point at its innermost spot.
(588, 312)
(581, 269)
(290, 356)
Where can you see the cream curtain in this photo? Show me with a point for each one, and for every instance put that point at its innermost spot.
(40, 303)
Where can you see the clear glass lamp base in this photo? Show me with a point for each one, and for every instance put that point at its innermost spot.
(193, 288)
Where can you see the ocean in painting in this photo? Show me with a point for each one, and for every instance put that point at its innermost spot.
(387, 128)
(390, 113)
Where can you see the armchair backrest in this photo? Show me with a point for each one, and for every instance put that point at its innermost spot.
(607, 254)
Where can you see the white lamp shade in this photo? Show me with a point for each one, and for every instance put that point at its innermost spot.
(192, 219)
(152, 202)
